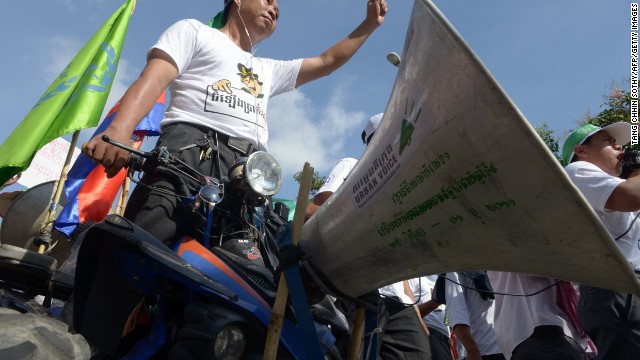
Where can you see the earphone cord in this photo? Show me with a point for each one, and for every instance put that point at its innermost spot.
(255, 100)
(499, 293)
(483, 291)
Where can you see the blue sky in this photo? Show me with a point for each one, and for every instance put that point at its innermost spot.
(555, 59)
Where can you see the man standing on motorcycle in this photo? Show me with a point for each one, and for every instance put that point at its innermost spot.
(219, 95)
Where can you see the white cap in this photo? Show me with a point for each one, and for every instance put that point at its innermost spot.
(371, 127)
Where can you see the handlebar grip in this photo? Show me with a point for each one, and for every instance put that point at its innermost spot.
(135, 162)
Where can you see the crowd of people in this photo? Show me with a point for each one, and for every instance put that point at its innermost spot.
(504, 315)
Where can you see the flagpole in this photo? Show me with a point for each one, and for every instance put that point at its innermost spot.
(124, 197)
(47, 225)
(279, 306)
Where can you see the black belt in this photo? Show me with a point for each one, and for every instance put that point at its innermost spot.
(543, 331)
(236, 143)
(438, 334)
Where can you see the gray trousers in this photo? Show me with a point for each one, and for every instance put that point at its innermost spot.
(403, 336)
(440, 345)
(612, 320)
(548, 342)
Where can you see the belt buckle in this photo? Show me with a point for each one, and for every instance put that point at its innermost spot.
(239, 144)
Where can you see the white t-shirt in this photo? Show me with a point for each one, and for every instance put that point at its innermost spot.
(597, 186)
(338, 174)
(515, 317)
(465, 306)
(220, 85)
(396, 290)
(422, 289)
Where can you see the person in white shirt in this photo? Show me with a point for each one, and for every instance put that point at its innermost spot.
(532, 327)
(470, 308)
(341, 170)
(593, 160)
(219, 94)
(404, 335)
(439, 340)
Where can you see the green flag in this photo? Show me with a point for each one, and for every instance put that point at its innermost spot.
(74, 100)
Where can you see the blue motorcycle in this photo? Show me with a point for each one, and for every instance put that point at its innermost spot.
(137, 298)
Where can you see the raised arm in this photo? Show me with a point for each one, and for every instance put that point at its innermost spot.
(135, 105)
(340, 53)
(626, 196)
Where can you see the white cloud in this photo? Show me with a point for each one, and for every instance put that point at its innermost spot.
(301, 131)
(60, 50)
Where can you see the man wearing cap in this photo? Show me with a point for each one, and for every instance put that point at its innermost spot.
(470, 307)
(592, 157)
(404, 335)
(341, 169)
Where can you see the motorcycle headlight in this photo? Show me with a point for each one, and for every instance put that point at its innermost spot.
(263, 173)
(230, 343)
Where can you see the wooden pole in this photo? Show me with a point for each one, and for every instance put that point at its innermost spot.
(277, 313)
(356, 336)
(124, 194)
(124, 197)
(47, 225)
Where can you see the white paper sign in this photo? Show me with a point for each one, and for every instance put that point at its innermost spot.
(48, 162)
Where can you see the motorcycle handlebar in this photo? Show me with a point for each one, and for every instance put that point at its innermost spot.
(106, 139)
(159, 162)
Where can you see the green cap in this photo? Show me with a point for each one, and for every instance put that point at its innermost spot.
(621, 131)
(216, 21)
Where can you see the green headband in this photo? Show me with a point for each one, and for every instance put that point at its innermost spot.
(217, 21)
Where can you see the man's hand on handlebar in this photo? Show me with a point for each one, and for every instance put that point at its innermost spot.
(112, 158)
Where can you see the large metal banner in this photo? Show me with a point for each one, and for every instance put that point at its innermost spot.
(456, 179)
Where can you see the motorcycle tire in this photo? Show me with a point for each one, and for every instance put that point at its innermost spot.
(30, 336)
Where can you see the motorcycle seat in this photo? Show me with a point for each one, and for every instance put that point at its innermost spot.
(25, 269)
(61, 285)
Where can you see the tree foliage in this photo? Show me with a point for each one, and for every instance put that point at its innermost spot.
(316, 182)
(616, 107)
(547, 135)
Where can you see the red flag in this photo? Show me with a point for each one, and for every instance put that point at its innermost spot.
(89, 192)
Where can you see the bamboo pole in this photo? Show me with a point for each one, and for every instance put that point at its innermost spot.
(356, 337)
(124, 194)
(47, 225)
(277, 313)
(124, 197)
